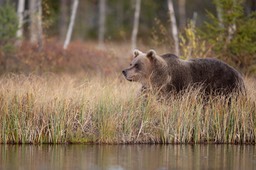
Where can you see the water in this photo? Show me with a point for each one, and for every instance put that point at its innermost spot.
(127, 157)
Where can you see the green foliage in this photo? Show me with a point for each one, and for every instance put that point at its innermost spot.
(245, 40)
(233, 35)
(8, 26)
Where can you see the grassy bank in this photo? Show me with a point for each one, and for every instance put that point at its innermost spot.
(68, 109)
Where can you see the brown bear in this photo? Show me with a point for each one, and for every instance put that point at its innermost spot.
(169, 74)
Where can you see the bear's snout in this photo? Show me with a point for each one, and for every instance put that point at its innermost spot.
(124, 73)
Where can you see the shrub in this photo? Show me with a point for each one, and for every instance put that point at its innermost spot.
(191, 44)
(8, 26)
(233, 35)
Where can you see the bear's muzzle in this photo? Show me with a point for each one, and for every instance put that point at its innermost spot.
(124, 73)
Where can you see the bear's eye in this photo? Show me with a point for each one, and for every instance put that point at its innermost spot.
(136, 66)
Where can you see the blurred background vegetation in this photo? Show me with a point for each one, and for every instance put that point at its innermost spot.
(32, 33)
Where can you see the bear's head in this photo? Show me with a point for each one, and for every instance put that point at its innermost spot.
(143, 65)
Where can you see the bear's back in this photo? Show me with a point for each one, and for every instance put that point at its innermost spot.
(170, 58)
(214, 74)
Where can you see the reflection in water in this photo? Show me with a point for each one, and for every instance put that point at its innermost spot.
(127, 157)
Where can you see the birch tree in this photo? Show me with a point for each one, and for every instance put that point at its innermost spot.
(33, 21)
(39, 25)
(20, 12)
(102, 18)
(174, 27)
(220, 17)
(63, 19)
(182, 13)
(232, 27)
(36, 30)
(71, 23)
(135, 24)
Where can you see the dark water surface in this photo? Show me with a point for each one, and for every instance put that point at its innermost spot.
(127, 157)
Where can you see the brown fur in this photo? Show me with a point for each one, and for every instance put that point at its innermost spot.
(169, 74)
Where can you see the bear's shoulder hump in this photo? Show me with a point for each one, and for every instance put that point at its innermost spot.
(169, 56)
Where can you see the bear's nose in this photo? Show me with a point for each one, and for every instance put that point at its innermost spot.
(124, 73)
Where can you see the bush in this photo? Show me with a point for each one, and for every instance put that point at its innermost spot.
(191, 44)
(233, 35)
(8, 26)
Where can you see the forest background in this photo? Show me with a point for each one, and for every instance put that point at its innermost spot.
(35, 34)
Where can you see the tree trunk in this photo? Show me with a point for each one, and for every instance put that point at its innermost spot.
(182, 13)
(63, 19)
(39, 26)
(174, 27)
(71, 23)
(21, 5)
(36, 30)
(102, 18)
(232, 26)
(231, 32)
(219, 15)
(136, 24)
(33, 20)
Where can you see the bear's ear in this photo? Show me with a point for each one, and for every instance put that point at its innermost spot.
(136, 53)
(151, 54)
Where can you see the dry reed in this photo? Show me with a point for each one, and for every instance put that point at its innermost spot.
(68, 109)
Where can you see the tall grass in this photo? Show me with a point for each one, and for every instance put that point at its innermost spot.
(66, 109)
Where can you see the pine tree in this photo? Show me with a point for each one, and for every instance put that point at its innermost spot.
(234, 39)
